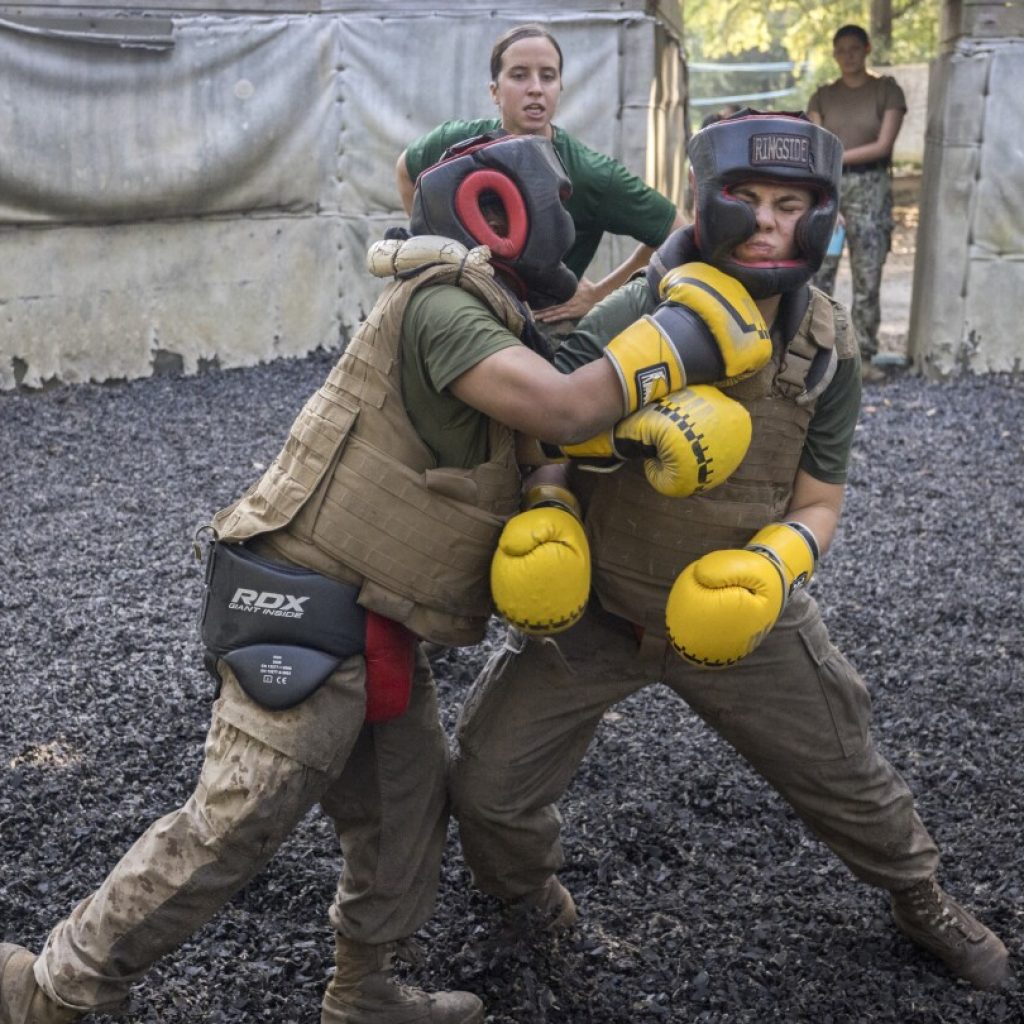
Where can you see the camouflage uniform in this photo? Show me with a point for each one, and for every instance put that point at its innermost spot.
(866, 205)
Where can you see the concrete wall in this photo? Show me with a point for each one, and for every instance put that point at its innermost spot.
(913, 80)
(969, 273)
(188, 186)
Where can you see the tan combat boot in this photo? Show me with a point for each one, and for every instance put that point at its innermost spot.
(21, 1000)
(363, 991)
(552, 903)
(937, 923)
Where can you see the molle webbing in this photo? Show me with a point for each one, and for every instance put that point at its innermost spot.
(642, 540)
(355, 493)
(424, 536)
(812, 355)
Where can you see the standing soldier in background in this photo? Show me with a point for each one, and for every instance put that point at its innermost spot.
(866, 112)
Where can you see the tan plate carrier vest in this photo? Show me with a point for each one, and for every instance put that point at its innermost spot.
(356, 494)
(641, 540)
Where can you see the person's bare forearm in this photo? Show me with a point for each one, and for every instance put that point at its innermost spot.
(520, 389)
(818, 506)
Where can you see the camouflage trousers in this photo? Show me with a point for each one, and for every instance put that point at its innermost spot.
(795, 709)
(383, 787)
(866, 205)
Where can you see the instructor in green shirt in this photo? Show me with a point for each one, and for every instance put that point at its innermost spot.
(526, 81)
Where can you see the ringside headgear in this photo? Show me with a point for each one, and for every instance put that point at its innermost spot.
(775, 148)
(524, 174)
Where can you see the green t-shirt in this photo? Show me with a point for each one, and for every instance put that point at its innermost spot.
(826, 453)
(605, 196)
(445, 332)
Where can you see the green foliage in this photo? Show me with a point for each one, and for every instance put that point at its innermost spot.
(797, 30)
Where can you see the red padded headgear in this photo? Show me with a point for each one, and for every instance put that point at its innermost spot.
(524, 174)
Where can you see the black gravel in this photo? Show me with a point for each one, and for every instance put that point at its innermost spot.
(702, 898)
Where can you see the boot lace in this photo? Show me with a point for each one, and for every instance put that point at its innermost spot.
(931, 905)
(409, 951)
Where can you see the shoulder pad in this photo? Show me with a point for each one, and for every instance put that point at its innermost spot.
(830, 324)
(812, 351)
(394, 257)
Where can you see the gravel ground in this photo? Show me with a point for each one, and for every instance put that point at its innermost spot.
(702, 898)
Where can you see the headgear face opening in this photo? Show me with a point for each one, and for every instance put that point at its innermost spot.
(506, 193)
(785, 149)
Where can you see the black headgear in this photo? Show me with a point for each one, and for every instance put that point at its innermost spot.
(776, 148)
(524, 174)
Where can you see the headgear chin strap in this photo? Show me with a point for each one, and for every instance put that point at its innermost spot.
(778, 149)
(522, 174)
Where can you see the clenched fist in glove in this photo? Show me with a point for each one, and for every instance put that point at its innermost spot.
(707, 331)
(691, 441)
(540, 572)
(724, 604)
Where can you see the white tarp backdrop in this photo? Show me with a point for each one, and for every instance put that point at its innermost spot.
(211, 197)
(966, 310)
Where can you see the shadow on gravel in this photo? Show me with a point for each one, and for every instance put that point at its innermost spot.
(702, 898)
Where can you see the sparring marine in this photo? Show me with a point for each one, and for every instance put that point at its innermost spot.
(290, 574)
(418, 539)
(742, 642)
(355, 494)
(634, 565)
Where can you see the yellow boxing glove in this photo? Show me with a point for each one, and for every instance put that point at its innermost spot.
(724, 604)
(540, 572)
(691, 441)
(707, 331)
